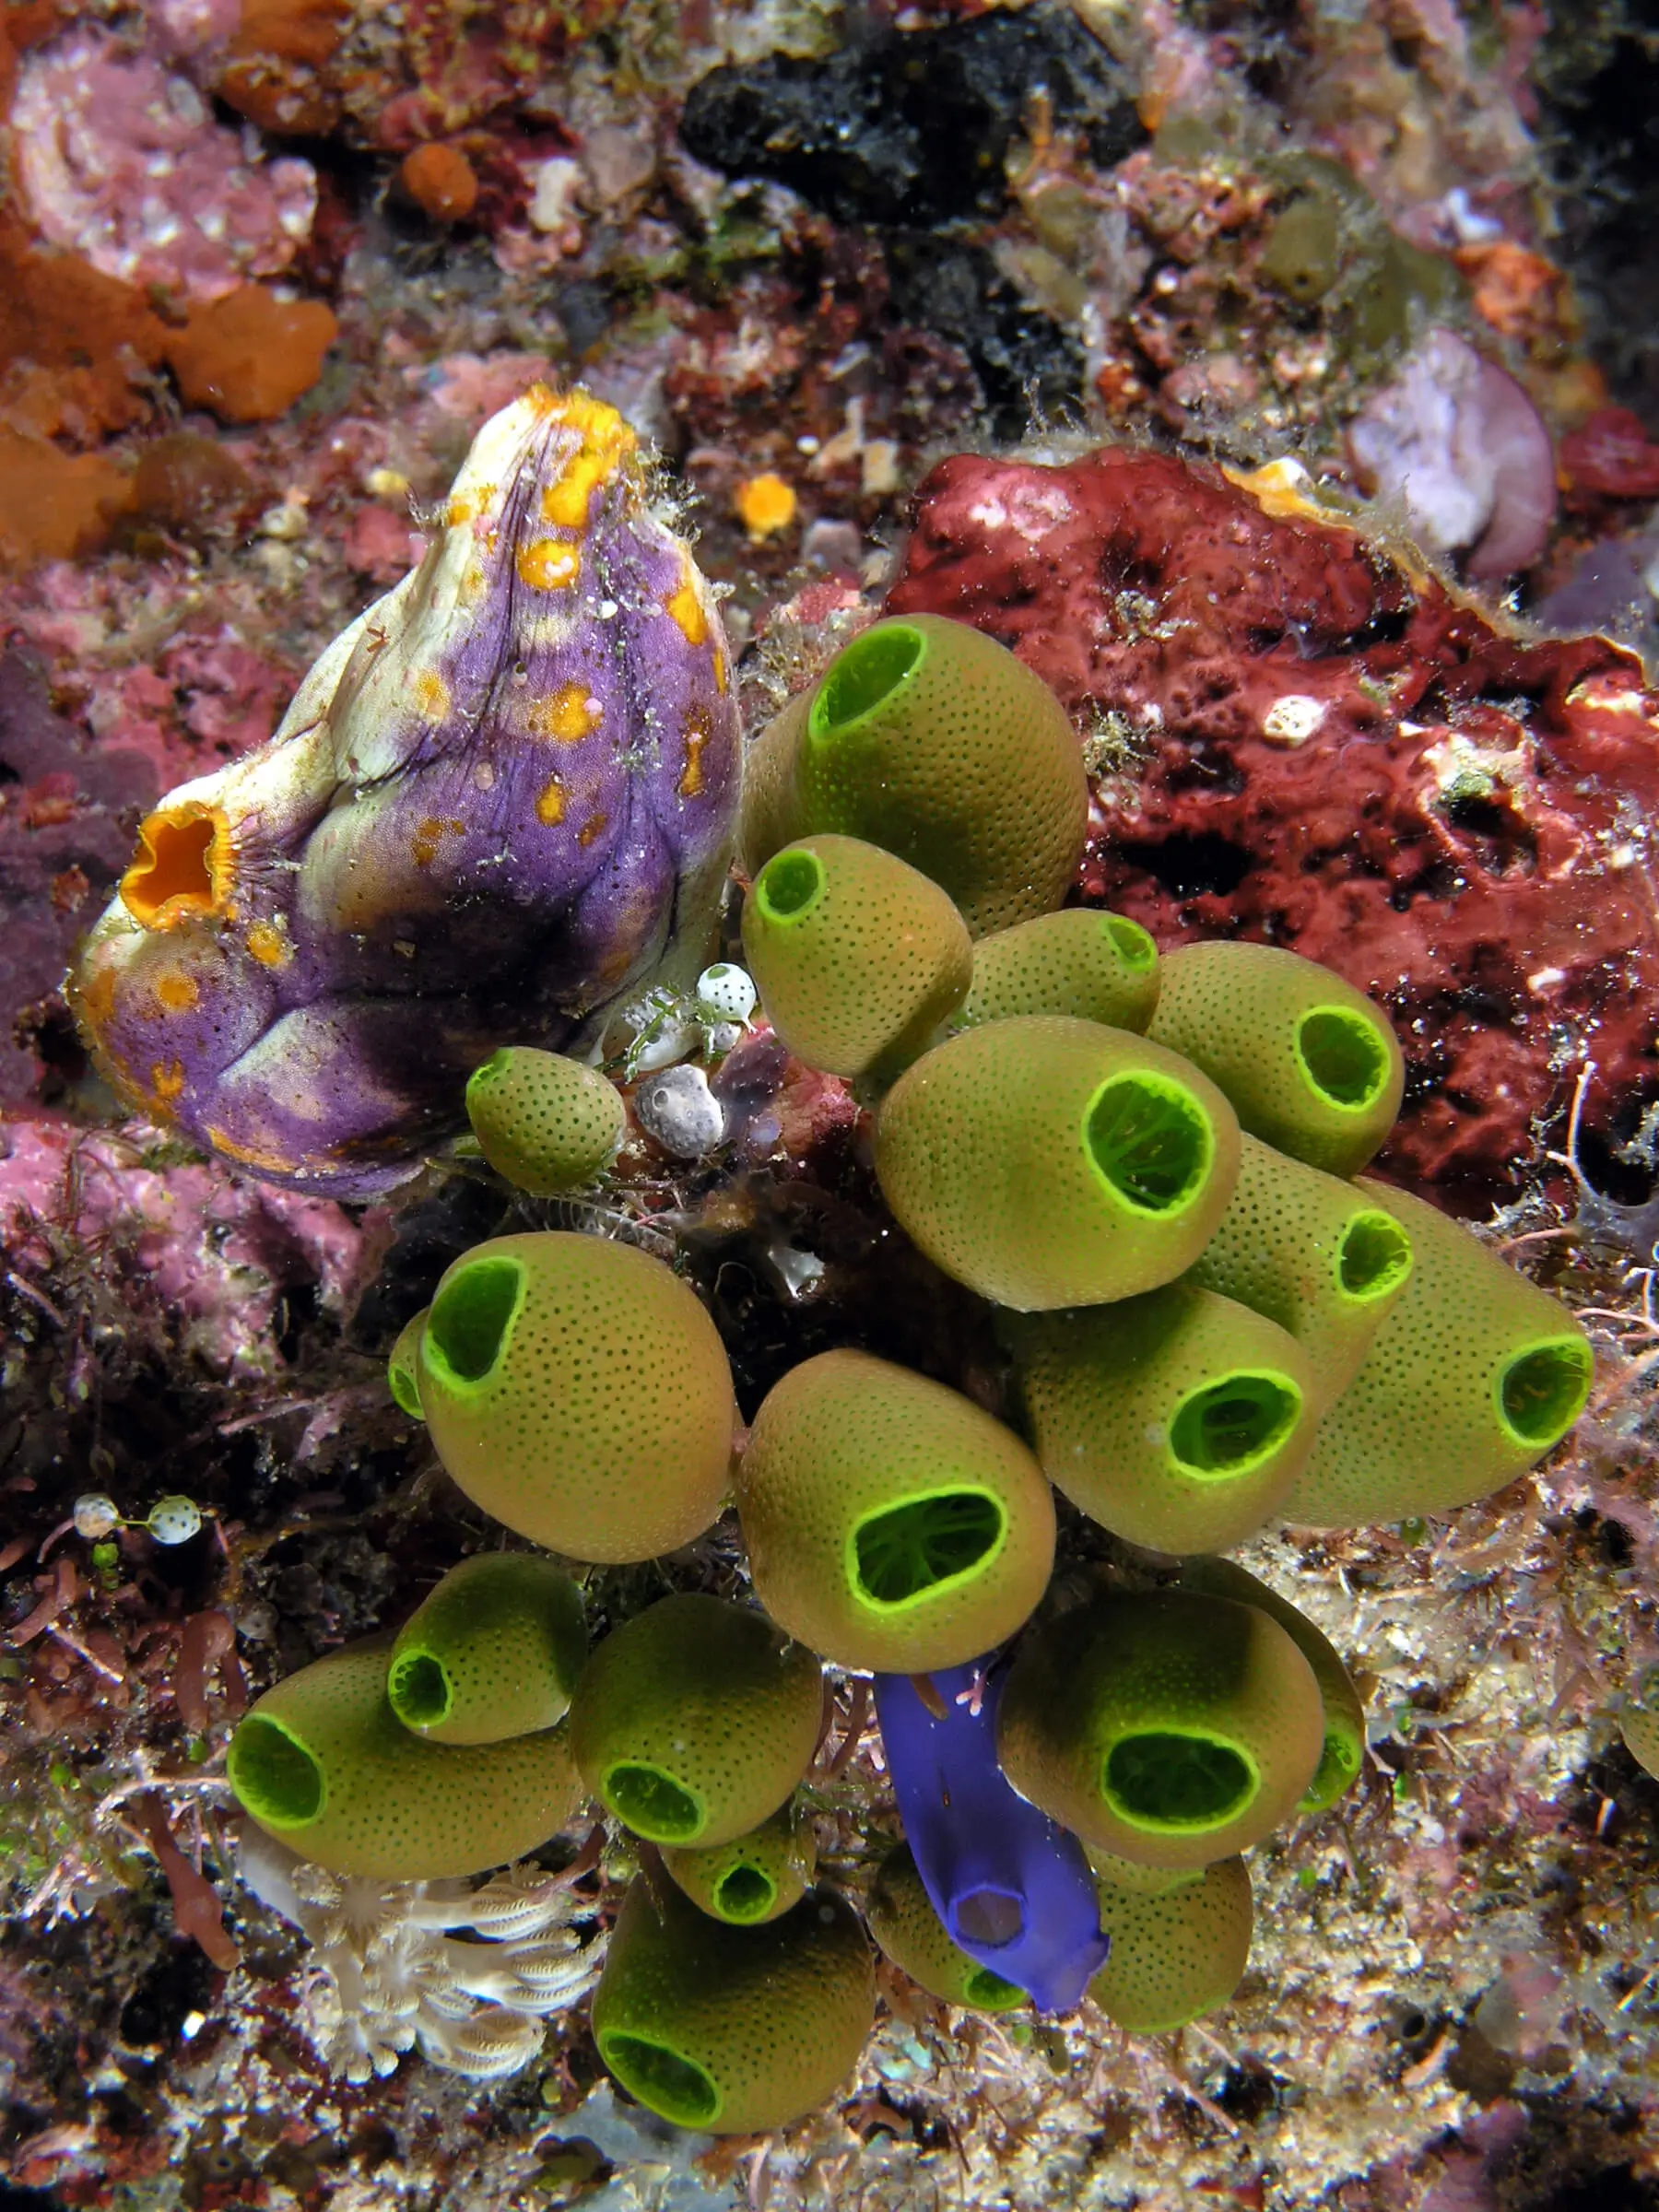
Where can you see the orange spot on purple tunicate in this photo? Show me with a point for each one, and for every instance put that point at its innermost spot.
(592, 828)
(176, 990)
(567, 716)
(548, 566)
(550, 803)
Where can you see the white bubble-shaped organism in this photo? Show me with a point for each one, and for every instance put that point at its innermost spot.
(174, 1520)
(729, 989)
(96, 1516)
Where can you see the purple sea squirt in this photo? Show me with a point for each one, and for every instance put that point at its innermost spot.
(500, 799)
(1011, 1885)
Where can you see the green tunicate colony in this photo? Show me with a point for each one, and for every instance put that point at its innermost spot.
(1148, 1166)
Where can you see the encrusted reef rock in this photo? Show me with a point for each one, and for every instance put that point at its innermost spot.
(499, 799)
(1301, 737)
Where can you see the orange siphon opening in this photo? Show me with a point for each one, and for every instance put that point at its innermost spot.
(183, 867)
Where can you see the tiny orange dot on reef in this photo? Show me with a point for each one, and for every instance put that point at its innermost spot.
(765, 505)
(441, 180)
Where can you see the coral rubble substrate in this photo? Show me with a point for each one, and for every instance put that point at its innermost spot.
(265, 268)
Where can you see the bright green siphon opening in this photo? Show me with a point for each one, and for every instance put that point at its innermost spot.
(1343, 1054)
(1134, 948)
(419, 1689)
(1230, 1427)
(1163, 1780)
(677, 2087)
(1374, 1256)
(745, 1894)
(990, 1916)
(653, 1804)
(468, 1326)
(487, 1071)
(862, 676)
(904, 1552)
(274, 1774)
(789, 886)
(983, 1987)
(1338, 1763)
(1150, 1140)
(1542, 1392)
(404, 1389)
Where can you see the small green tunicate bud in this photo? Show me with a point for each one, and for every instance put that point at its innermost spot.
(911, 1932)
(545, 1123)
(859, 956)
(1094, 966)
(403, 1369)
(323, 1763)
(891, 1524)
(1177, 1951)
(1311, 1065)
(1177, 1419)
(1312, 1253)
(737, 2030)
(1051, 1162)
(1474, 1376)
(1169, 1728)
(1302, 253)
(1344, 1753)
(695, 1720)
(755, 1877)
(576, 1390)
(933, 740)
(494, 1651)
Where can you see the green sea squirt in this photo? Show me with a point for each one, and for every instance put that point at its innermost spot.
(1045, 1161)
(546, 1123)
(933, 740)
(1169, 1728)
(891, 1524)
(576, 1390)
(737, 2030)
(494, 1651)
(695, 1720)
(1473, 1377)
(753, 1877)
(858, 956)
(1309, 1064)
(1179, 1946)
(1095, 966)
(324, 1763)
(1178, 1420)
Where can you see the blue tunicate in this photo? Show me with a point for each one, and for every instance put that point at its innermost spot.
(1012, 1886)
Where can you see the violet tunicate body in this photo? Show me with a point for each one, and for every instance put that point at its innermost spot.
(500, 800)
(1011, 1885)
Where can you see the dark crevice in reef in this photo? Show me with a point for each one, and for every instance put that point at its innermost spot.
(910, 126)
(903, 133)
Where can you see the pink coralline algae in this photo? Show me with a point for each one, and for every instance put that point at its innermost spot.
(1460, 453)
(1299, 741)
(120, 162)
(500, 800)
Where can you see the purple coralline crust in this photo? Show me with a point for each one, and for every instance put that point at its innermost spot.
(976, 1841)
(499, 800)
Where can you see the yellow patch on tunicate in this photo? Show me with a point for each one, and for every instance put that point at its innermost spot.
(428, 835)
(606, 444)
(268, 941)
(698, 733)
(723, 674)
(167, 1082)
(176, 990)
(467, 506)
(765, 504)
(95, 998)
(567, 716)
(548, 566)
(473, 584)
(685, 607)
(1285, 492)
(592, 828)
(431, 695)
(184, 870)
(550, 803)
(250, 1156)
